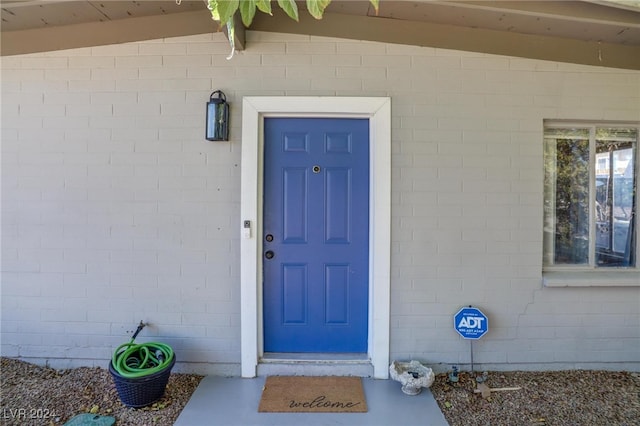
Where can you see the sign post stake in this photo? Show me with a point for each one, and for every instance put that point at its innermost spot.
(471, 324)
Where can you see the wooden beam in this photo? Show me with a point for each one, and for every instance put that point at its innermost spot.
(108, 32)
(454, 37)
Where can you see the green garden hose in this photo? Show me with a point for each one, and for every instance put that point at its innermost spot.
(134, 360)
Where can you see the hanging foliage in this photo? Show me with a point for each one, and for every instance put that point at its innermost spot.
(224, 10)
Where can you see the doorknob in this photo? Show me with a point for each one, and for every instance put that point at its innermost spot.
(269, 254)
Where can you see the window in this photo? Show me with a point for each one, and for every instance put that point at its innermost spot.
(590, 196)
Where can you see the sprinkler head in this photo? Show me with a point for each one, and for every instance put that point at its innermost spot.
(453, 376)
(483, 378)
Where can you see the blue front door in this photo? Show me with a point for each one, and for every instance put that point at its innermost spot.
(316, 234)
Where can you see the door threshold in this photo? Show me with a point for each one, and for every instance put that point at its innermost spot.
(299, 357)
(315, 364)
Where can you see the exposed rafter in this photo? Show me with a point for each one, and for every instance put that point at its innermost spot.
(598, 32)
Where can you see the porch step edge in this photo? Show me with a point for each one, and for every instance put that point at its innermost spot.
(361, 368)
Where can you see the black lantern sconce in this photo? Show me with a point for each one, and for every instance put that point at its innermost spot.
(217, 117)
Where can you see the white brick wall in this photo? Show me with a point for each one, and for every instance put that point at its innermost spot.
(115, 209)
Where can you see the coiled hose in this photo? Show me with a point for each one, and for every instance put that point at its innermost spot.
(134, 360)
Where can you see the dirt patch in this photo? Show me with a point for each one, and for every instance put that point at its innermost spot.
(570, 398)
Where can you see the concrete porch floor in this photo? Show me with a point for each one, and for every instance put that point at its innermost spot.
(224, 401)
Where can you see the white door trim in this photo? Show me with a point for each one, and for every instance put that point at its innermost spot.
(378, 111)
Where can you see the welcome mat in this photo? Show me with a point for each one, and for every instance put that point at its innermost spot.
(304, 394)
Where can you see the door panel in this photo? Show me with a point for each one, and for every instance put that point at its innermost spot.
(294, 286)
(316, 229)
(294, 205)
(338, 188)
(337, 294)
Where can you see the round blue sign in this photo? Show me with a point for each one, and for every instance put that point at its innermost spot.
(471, 323)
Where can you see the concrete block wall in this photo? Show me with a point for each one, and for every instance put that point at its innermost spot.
(115, 209)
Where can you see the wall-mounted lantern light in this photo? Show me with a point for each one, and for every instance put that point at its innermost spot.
(217, 117)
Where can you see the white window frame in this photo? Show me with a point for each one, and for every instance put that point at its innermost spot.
(591, 275)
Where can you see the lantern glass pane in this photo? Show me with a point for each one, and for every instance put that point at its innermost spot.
(211, 121)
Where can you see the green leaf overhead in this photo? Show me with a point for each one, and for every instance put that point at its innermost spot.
(264, 6)
(316, 7)
(247, 11)
(213, 8)
(375, 4)
(290, 8)
(224, 10)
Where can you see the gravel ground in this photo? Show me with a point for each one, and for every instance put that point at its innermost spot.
(33, 395)
(567, 398)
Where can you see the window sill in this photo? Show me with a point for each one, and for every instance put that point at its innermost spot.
(599, 278)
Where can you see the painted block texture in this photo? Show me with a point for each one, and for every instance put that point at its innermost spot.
(115, 209)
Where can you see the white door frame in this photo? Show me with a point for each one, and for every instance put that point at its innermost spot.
(378, 111)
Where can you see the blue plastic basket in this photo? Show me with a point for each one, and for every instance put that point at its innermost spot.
(141, 391)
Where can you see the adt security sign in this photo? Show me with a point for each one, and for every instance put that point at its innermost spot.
(471, 323)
